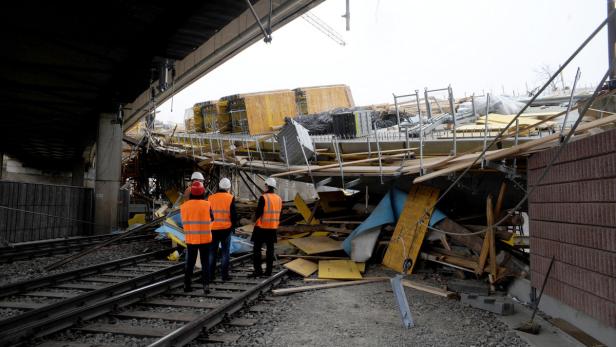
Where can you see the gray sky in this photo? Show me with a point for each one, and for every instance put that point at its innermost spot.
(397, 46)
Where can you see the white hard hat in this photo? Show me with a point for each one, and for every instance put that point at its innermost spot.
(271, 182)
(224, 183)
(197, 176)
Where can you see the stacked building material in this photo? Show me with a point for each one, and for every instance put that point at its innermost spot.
(351, 125)
(319, 99)
(214, 114)
(189, 120)
(259, 113)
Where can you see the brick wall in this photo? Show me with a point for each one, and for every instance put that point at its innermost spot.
(573, 217)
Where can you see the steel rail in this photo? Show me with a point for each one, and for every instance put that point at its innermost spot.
(190, 331)
(18, 254)
(58, 308)
(35, 283)
(27, 332)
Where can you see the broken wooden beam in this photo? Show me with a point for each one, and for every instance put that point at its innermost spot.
(323, 286)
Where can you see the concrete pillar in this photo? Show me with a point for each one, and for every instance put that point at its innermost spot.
(78, 173)
(108, 173)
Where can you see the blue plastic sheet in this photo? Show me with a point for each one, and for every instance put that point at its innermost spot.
(386, 212)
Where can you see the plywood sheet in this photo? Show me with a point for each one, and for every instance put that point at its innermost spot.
(411, 228)
(325, 98)
(316, 245)
(302, 267)
(339, 269)
(304, 210)
(268, 109)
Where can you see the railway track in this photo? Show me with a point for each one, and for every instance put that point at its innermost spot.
(31, 250)
(158, 314)
(49, 296)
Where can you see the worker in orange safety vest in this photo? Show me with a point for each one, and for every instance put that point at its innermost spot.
(197, 223)
(267, 218)
(222, 204)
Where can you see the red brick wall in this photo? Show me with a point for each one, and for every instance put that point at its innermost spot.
(573, 217)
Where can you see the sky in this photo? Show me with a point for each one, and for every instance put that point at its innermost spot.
(398, 46)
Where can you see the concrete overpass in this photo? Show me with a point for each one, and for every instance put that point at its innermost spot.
(72, 74)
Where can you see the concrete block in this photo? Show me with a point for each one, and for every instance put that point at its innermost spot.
(499, 305)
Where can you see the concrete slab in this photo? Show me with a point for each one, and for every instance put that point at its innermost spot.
(549, 336)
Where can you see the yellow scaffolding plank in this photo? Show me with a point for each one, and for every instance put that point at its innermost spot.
(411, 228)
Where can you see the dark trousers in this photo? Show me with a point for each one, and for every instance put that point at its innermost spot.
(222, 238)
(262, 236)
(191, 259)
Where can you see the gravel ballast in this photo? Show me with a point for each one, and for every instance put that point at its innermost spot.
(28, 269)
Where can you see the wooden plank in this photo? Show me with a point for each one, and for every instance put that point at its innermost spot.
(500, 200)
(322, 286)
(20, 305)
(62, 295)
(490, 222)
(316, 245)
(361, 267)
(124, 329)
(170, 316)
(315, 257)
(411, 228)
(339, 269)
(513, 150)
(304, 210)
(181, 303)
(314, 168)
(429, 289)
(302, 267)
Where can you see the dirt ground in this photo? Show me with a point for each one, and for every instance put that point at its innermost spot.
(367, 315)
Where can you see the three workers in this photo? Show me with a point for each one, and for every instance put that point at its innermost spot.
(209, 224)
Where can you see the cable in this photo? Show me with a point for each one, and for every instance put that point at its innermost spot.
(561, 147)
(547, 83)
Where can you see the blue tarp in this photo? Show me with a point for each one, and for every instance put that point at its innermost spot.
(386, 212)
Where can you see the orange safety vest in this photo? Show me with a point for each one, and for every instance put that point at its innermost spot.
(197, 221)
(221, 208)
(271, 212)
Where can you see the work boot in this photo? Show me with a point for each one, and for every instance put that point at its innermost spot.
(206, 289)
(187, 289)
(227, 278)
